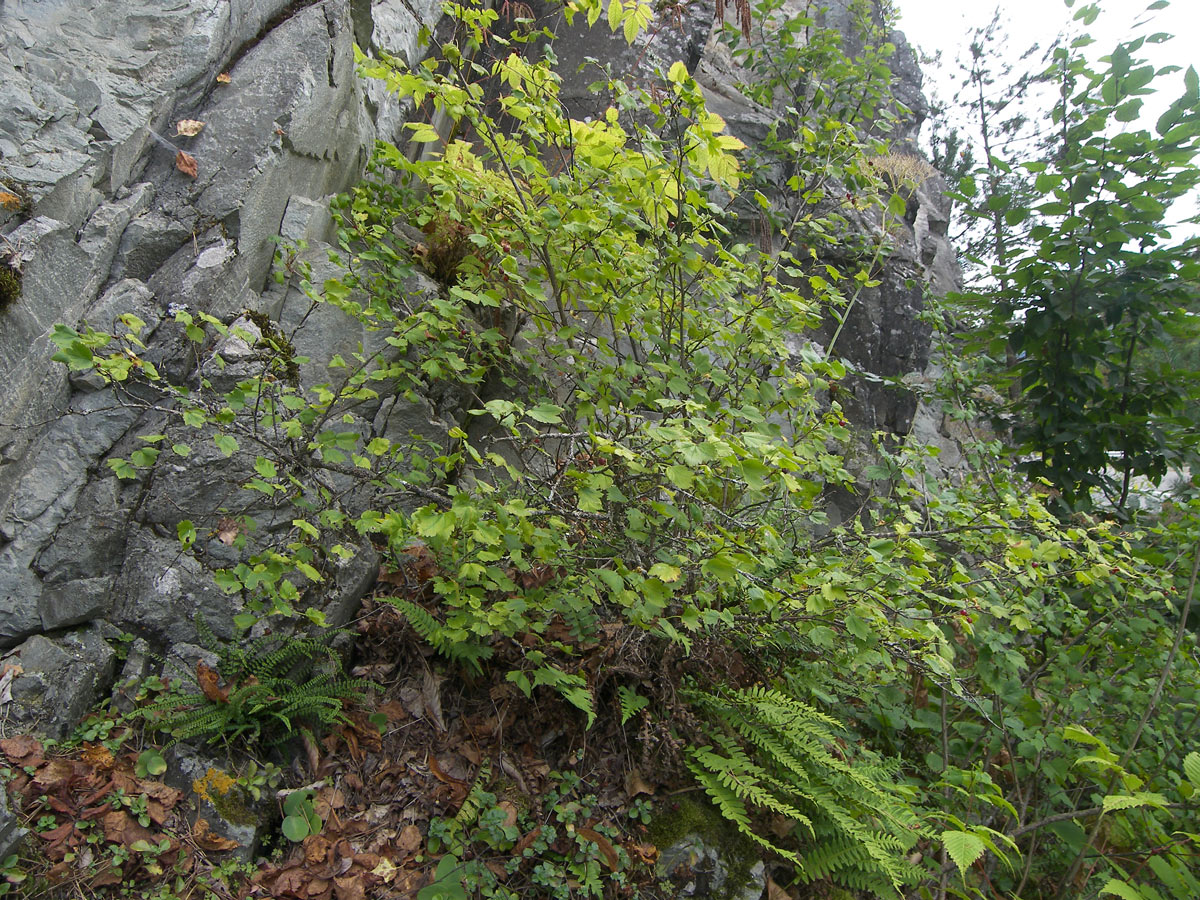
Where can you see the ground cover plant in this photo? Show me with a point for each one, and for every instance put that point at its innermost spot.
(622, 561)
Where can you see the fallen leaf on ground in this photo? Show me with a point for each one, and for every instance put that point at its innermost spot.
(527, 841)
(440, 773)
(606, 847)
(775, 892)
(385, 870)
(635, 784)
(98, 756)
(188, 127)
(510, 813)
(209, 840)
(316, 850)
(23, 750)
(410, 839)
(431, 696)
(648, 853)
(394, 711)
(121, 828)
(186, 163)
(224, 78)
(210, 684)
(349, 887)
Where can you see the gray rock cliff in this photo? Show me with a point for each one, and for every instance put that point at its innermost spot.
(107, 224)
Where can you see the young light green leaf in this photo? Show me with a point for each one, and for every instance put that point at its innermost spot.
(964, 848)
(226, 443)
(1191, 768)
(1121, 889)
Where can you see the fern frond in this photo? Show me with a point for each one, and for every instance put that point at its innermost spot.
(271, 695)
(435, 634)
(774, 753)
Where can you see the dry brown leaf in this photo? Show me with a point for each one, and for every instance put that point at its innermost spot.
(375, 671)
(418, 562)
(207, 839)
(186, 163)
(98, 756)
(290, 881)
(431, 697)
(605, 845)
(188, 127)
(349, 887)
(55, 774)
(439, 773)
(394, 711)
(510, 813)
(121, 828)
(210, 684)
(224, 78)
(648, 853)
(9, 200)
(635, 784)
(316, 850)
(775, 892)
(164, 793)
(410, 839)
(227, 531)
(24, 750)
(526, 842)
(109, 875)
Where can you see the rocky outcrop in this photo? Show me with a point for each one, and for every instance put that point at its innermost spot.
(102, 222)
(106, 224)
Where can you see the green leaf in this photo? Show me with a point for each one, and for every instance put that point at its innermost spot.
(545, 412)
(264, 467)
(755, 473)
(186, 533)
(964, 848)
(144, 458)
(307, 527)
(295, 828)
(1191, 768)
(1133, 801)
(720, 567)
(1121, 889)
(666, 573)
(447, 880)
(150, 762)
(681, 476)
(226, 443)
(858, 627)
(1080, 734)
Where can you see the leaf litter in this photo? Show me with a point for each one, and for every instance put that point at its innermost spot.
(407, 757)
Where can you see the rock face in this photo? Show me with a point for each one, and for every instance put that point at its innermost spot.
(108, 225)
(105, 224)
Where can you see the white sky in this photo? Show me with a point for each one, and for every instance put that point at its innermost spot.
(944, 25)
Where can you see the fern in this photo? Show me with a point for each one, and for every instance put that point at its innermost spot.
(273, 692)
(773, 753)
(437, 635)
